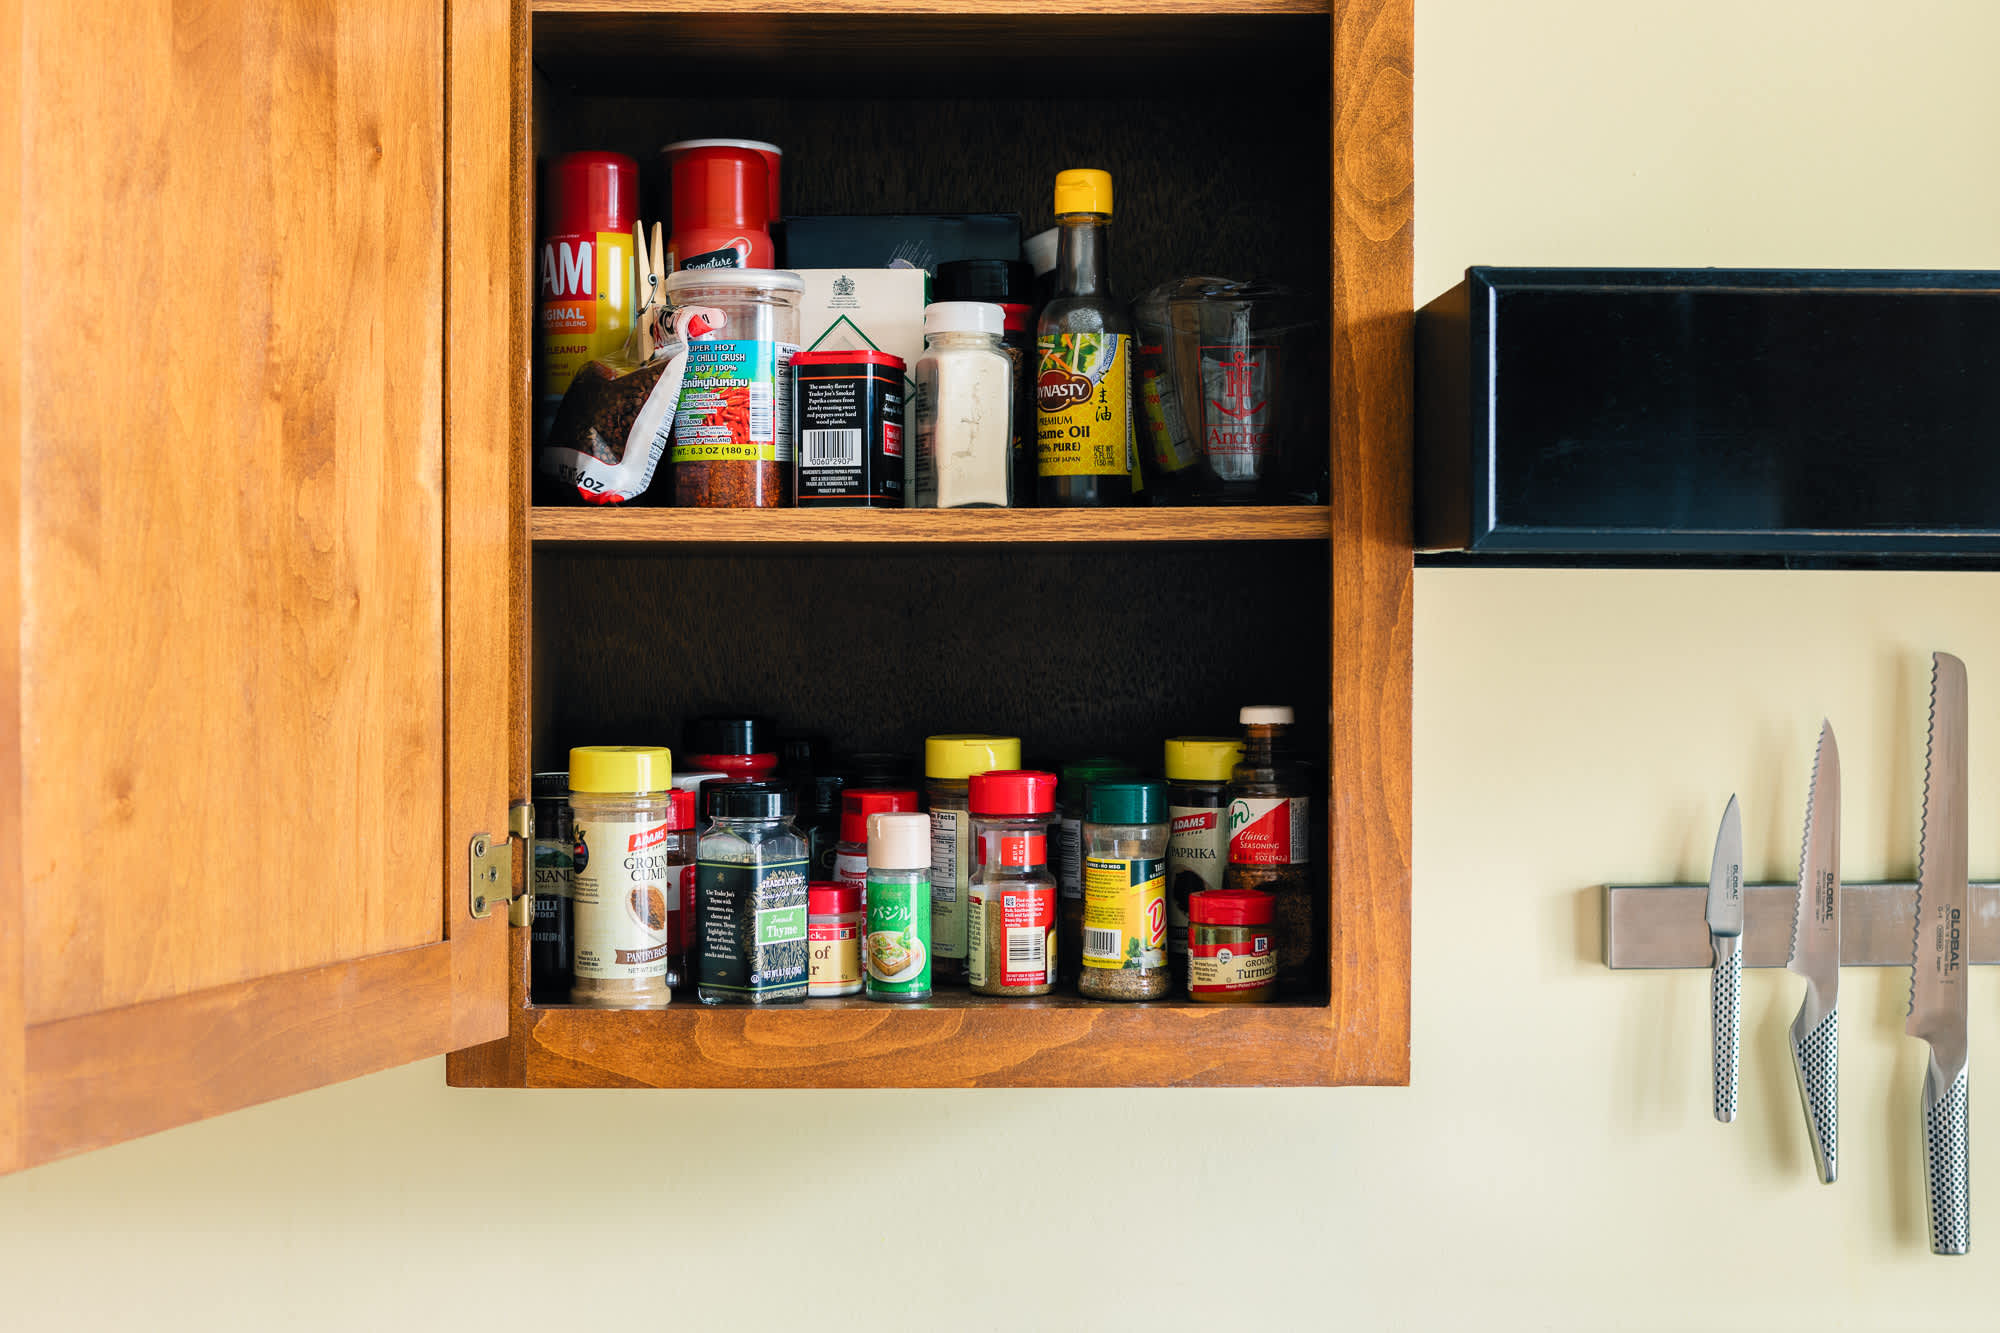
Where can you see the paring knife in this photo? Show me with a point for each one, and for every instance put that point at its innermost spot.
(1937, 979)
(1725, 936)
(1816, 957)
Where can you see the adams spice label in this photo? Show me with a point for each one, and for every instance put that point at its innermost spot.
(1083, 406)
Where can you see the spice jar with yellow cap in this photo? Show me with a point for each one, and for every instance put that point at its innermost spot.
(949, 763)
(624, 889)
(1197, 769)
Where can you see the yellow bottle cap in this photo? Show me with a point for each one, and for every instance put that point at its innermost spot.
(621, 768)
(1202, 758)
(956, 758)
(1083, 190)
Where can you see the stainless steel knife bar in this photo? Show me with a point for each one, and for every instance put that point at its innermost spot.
(1661, 925)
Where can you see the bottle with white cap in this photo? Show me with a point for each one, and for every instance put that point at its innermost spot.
(896, 952)
(1270, 842)
(965, 407)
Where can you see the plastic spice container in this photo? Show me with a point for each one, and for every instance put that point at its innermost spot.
(1197, 769)
(1011, 929)
(1066, 857)
(965, 409)
(849, 427)
(896, 952)
(850, 861)
(732, 442)
(833, 934)
(1230, 955)
(949, 761)
(751, 897)
(1270, 841)
(1125, 893)
(621, 799)
(554, 850)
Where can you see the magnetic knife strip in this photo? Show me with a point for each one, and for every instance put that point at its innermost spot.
(1661, 925)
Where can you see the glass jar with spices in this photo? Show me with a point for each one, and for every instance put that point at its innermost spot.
(850, 862)
(896, 950)
(949, 762)
(1011, 926)
(1009, 284)
(732, 441)
(965, 409)
(620, 802)
(1066, 856)
(834, 923)
(751, 932)
(1197, 769)
(554, 856)
(1230, 959)
(1270, 843)
(1125, 893)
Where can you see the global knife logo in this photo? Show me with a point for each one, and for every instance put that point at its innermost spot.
(1823, 900)
(1948, 937)
(1734, 889)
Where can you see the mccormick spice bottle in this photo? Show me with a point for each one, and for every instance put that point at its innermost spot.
(897, 950)
(1125, 893)
(1084, 377)
(751, 896)
(1230, 960)
(1198, 769)
(834, 924)
(1270, 841)
(1011, 929)
(850, 862)
(554, 856)
(849, 407)
(949, 761)
(622, 882)
(1067, 853)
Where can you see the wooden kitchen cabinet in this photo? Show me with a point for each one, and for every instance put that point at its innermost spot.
(291, 636)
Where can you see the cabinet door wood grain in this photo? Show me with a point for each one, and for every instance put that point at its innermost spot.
(232, 759)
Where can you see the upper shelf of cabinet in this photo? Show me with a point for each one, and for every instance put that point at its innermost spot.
(1222, 524)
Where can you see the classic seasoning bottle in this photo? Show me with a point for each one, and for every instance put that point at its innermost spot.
(896, 951)
(948, 762)
(1125, 893)
(1229, 947)
(620, 799)
(833, 934)
(554, 855)
(1066, 856)
(1198, 769)
(850, 862)
(1270, 842)
(1083, 378)
(1011, 929)
(750, 896)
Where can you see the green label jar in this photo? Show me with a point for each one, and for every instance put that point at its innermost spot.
(753, 929)
(897, 948)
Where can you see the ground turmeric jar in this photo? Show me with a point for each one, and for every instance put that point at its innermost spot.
(1230, 959)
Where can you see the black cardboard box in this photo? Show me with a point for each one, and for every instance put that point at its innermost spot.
(881, 240)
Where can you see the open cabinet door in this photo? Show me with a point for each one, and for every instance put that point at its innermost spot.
(258, 536)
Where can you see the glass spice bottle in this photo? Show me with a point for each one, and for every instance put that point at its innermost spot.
(896, 952)
(751, 894)
(620, 802)
(1197, 769)
(1230, 959)
(554, 857)
(1124, 893)
(732, 440)
(1066, 856)
(949, 761)
(850, 862)
(965, 409)
(1011, 926)
(1270, 843)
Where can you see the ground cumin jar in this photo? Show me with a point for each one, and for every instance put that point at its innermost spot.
(732, 441)
(623, 882)
(1230, 958)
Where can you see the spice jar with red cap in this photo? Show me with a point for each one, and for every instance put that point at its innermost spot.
(1011, 901)
(744, 748)
(1230, 955)
(850, 860)
(833, 940)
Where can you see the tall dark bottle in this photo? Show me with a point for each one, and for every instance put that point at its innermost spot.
(1084, 346)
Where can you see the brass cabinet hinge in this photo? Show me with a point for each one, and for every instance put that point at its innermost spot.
(491, 867)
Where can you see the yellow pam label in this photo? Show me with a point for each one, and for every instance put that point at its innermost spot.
(1083, 405)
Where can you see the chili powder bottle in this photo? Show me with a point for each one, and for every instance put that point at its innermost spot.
(1011, 901)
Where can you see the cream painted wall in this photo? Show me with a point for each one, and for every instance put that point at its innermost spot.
(1553, 1165)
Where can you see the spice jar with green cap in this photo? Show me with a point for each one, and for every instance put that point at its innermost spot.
(623, 888)
(949, 763)
(1197, 769)
(1125, 893)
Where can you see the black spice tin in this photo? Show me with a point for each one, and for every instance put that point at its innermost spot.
(849, 410)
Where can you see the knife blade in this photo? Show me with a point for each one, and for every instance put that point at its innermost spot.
(1725, 938)
(1938, 983)
(1816, 957)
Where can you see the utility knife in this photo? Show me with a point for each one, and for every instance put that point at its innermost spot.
(1816, 957)
(1725, 937)
(1937, 980)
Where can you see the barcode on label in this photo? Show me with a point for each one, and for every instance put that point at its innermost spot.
(760, 413)
(1028, 949)
(831, 448)
(1102, 944)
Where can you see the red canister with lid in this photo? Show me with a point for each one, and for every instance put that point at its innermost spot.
(583, 269)
(1231, 958)
(724, 197)
(741, 747)
(834, 922)
(850, 861)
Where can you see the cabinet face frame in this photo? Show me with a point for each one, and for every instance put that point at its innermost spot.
(1362, 1035)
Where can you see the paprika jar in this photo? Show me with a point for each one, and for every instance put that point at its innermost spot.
(732, 441)
(1230, 954)
(1011, 902)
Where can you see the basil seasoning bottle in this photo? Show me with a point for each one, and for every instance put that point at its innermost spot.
(751, 876)
(896, 950)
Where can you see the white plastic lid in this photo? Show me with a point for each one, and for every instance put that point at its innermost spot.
(899, 842)
(693, 781)
(745, 279)
(757, 145)
(964, 317)
(1040, 250)
(1265, 715)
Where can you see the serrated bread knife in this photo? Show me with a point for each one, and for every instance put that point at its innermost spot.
(1816, 957)
(1937, 979)
(1725, 937)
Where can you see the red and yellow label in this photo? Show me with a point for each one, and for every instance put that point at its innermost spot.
(586, 303)
(1124, 912)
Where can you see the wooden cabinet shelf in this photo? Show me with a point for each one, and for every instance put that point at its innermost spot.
(1275, 523)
